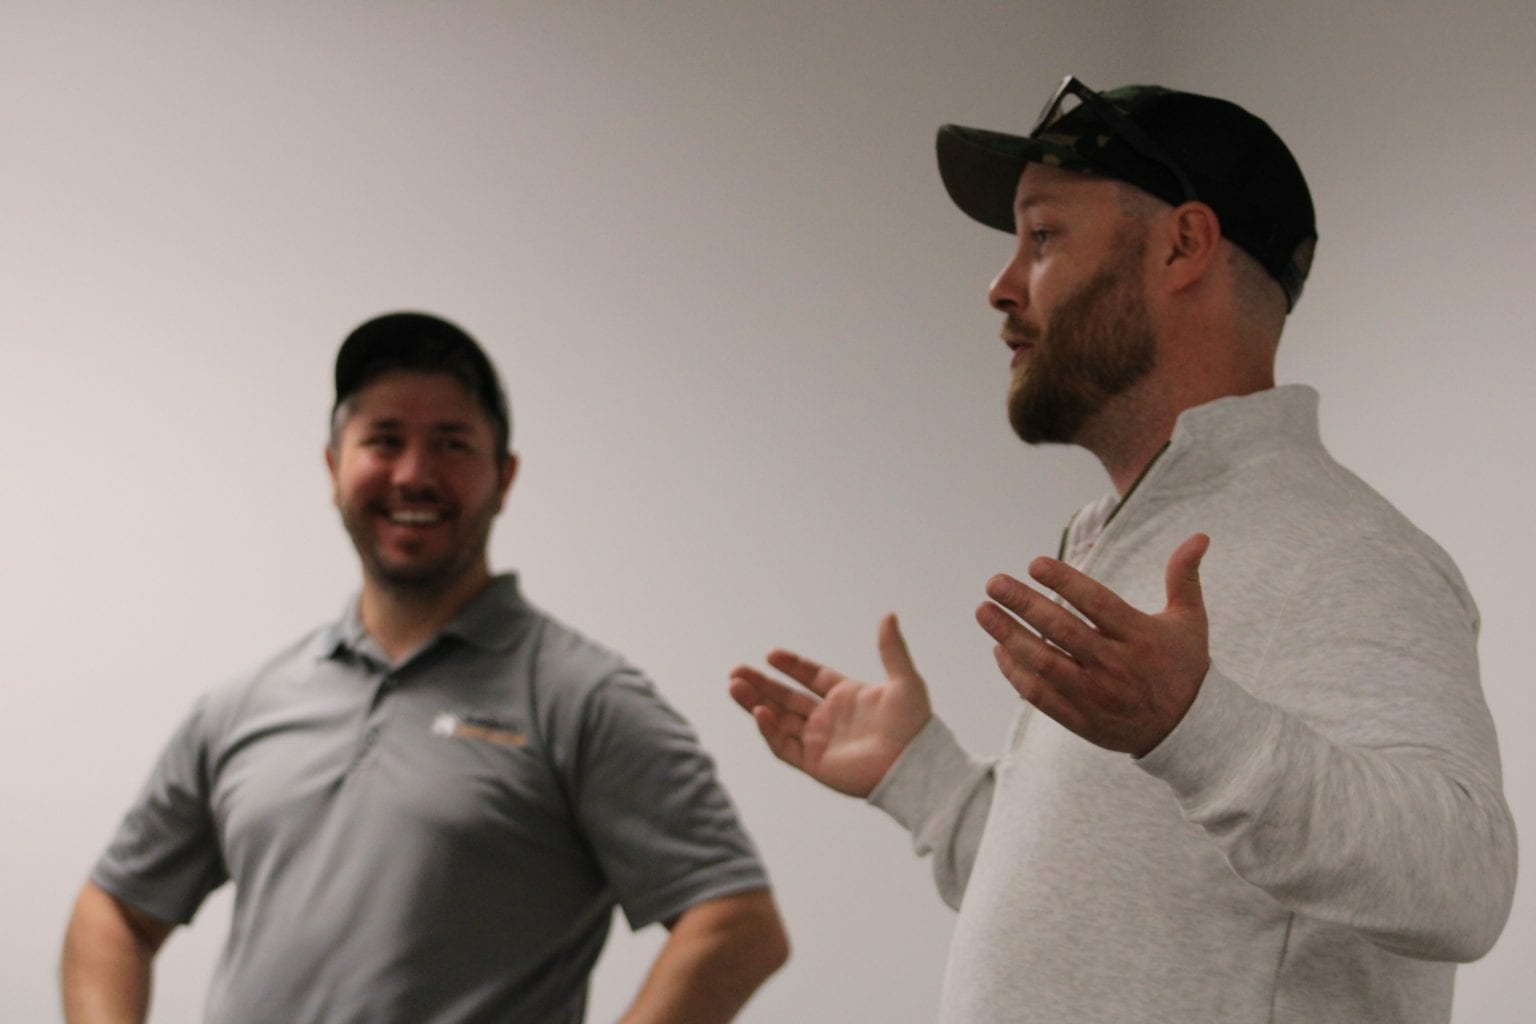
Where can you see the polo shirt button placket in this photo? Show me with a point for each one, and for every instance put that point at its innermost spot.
(370, 737)
(365, 745)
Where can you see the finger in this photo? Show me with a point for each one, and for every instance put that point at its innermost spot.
(1024, 647)
(782, 735)
(1098, 604)
(1182, 577)
(812, 675)
(894, 656)
(746, 693)
(1047, 618)
(1037, 690)
(750, 688)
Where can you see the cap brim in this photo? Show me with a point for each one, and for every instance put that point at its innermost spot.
(981, 171)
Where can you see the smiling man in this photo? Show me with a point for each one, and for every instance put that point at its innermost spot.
(430, 808)
(1253, 779)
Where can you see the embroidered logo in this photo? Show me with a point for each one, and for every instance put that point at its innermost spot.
(479, 727)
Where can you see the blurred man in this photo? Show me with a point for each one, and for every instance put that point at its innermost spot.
(1256, 786)
(430, 808)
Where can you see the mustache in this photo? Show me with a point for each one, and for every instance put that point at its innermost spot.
(1016, 328)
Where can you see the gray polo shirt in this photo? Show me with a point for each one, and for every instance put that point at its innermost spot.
(439, 841)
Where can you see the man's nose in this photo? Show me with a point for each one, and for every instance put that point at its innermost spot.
(412, 467)
(1009, 292)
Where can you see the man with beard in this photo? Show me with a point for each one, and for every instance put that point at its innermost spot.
(1256, 786)
(429, 808)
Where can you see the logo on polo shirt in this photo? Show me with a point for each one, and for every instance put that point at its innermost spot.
(479, 727)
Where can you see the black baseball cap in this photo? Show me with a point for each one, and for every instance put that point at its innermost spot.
(1175, 145)
(421, 343)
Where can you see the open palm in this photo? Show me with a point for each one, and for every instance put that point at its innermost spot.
(843, 733)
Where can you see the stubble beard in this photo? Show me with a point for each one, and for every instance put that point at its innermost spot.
(1098, 343)
(427, 579)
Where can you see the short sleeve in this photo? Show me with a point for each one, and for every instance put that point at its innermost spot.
(651, 807)
(165, 857)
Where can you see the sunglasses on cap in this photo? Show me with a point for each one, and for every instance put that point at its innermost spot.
(1072, 95)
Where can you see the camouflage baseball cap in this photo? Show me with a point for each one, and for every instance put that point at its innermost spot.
(1177, 146)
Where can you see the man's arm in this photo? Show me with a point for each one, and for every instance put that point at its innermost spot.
(717, 955)
(109, 948)
(1371, 798)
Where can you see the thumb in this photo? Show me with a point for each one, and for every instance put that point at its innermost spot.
(1183, 575)
(893, 653)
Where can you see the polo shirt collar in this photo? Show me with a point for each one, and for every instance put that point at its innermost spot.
(482, 623)
(485, 621)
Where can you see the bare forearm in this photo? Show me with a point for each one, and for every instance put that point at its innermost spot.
(106, 963)
(105, 980)
(717, 955)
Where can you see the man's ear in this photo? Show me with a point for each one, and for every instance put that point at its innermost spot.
(1191, 241)
(330, 468)
(507, 473)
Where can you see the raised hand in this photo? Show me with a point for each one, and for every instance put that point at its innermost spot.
(1121, 680)
(843, 733)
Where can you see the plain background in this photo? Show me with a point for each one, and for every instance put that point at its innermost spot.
(757, 390)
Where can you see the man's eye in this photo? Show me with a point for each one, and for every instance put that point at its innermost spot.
(1039, 236)
(381, 441)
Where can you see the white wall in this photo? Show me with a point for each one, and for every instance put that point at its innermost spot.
(757, 391)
